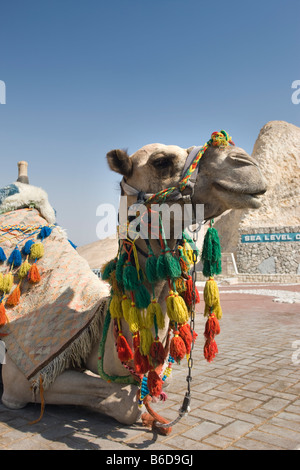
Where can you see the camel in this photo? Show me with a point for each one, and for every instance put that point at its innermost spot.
(228, 178)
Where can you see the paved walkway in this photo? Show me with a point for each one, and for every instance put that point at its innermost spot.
(247, 399)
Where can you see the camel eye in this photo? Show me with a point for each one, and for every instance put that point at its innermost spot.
(162, 163)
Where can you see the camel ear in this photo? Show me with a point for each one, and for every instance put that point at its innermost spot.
(119, 161)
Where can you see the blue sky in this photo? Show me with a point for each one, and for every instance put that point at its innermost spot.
(84, 77)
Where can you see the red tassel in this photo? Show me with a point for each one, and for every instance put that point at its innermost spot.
(3, 319)
(33, 274)
(177, 347)
(141, 363)
(212, 327)
(210, 349)
(188, 293)
(14, 298)
(154, 383)
(186, 334)
(124, 351)
(157, 352)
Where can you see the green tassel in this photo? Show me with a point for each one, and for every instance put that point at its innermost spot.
(119, 268)
(151, 268)
(168, 266)
(130, 277)
(108, 268)
(211, 253)
(142, 297)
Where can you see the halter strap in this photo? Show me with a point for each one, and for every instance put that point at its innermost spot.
(189, 174)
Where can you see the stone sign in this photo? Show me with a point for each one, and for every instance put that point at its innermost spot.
(270, 237)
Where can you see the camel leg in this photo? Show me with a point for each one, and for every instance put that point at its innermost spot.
(73, 388)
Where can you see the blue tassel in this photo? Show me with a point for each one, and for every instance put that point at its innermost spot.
(15, 258)
(45, 232)
(27, 247)
(2, 255)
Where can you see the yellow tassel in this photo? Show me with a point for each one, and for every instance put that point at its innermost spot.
(188, 252)
(24, 268)
(146, 339)
(37, 251)
(154, 308)
(115, 307)
(1, 281)
(126, 304)
(176, 308)
(8, 281)
(212, 298)
(135, 319)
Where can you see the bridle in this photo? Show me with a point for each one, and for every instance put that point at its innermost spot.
(188, 177)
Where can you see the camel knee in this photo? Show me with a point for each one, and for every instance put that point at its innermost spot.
(16, 388)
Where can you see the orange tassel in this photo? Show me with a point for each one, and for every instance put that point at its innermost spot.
(210, 349)
(14, 298)
(141, 363)
(33, 274)
(186, 334)
(212, 327)
(177, 347)
(154, 383)
(124, 351)
(188, 293)
(157, 352)
(3, 318)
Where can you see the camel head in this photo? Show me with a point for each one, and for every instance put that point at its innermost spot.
(228, 178)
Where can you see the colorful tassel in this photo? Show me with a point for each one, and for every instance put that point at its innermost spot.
(142, 297)
(154, 383)
(141, 363)
(2, 255)
(1, 282)
(119, 268)
(45, 232)
(14, 298)
(176, 308)
(3, 317)
(168, 266)
(8, 281)
(135, 319)
(125, 353)
(27, 247)
(212, 327)
(146, 340)
(23, 271)
(211, 253)
(212, 298)
(151, 267)
(37, 251)
(115, 307)
(188, 293)
(15, 259)
(108, 268)
(210, 350)
(130, 277)
(33, 274)
(177, 347)
(157, 352)
(126, 304)
(154, 310)
(187, 336)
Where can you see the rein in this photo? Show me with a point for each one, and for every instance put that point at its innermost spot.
(130, 300)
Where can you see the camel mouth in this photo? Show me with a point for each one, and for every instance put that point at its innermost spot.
(243, 197)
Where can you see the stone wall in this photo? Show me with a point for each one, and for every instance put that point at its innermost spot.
(263, 253)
